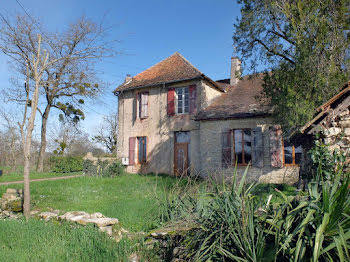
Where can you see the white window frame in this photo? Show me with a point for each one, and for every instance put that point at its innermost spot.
(183, 100)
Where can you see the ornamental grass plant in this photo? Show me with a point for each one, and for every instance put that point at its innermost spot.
(232, 223)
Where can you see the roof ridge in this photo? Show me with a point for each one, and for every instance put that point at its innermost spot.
(175, 53)
(188, 62)
(173, 66)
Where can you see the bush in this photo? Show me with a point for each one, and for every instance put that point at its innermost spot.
(232, 224)
(324, 161)
(66, 164)
(103, 168)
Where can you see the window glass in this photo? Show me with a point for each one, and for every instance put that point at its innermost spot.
(182, 100)
(140, 151)
(288, 153)
(298, 154)
(142, 147)
(292, 154)
(143, 104)
(247, 145)
(238, 146)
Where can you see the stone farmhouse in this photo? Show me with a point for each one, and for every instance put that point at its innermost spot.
(174, 119)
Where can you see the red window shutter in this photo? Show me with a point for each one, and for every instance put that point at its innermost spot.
(226, 147)
(171, 102)
(193, 98)
(276, 146)
(132, 141)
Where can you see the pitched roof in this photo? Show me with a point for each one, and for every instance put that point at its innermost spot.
(326, 109)
(239, 101)
(172, 69)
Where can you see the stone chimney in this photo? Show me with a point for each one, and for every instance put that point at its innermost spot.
(128, 78)
(235, 70)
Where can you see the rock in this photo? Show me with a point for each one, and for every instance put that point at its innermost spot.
(333, 131)
(34, 212)
(334, 147)
(8, 196)
(344, 113)
(47, 215)
(97, 215)
(15, 205)
(6, 213)
(347, 131)
(3, 204)
(345, 123)
(108, 230)
(73, 216)
(328, 140)
(100, 222)
(159, 235)
(134, 257)
(11, 191)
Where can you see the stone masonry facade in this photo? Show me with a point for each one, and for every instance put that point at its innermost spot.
(159, 127)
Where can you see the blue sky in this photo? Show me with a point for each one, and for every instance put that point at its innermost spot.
(148, 31)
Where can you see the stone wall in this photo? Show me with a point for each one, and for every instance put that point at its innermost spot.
(211, 153)
(11, 203)
(94, 159)
(335, 131)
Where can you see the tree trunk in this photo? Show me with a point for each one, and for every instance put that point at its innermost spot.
(40, 164)
(26, 171)
(26, 150)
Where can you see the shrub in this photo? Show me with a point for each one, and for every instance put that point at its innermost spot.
(66, 164)
(318, 226)
(103, 168)
(324, 161)
(234, 225)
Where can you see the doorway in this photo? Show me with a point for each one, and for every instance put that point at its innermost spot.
(182, 153)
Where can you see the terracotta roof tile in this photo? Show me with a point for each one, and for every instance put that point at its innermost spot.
(239, 101)
(172, 69)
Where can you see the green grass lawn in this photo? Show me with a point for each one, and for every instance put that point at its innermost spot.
(36, 240)
(18, 175)
(131, 198)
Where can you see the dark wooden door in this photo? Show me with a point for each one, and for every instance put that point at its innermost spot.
(181, 159)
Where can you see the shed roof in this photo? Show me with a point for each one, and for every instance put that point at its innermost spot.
(239, 101)
(324, 110)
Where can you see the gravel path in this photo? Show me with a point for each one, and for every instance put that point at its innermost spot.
(39, 179)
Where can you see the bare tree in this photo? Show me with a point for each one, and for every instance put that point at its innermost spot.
(69, 139)
(35, 54)
(73, 76)
(64, 136)
(10, 140)
(107, 134)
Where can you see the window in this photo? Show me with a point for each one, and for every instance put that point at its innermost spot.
(183, 100)
(291, 154)
(142, 149)
(240, 149)
(143, 105)
(242, 146)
